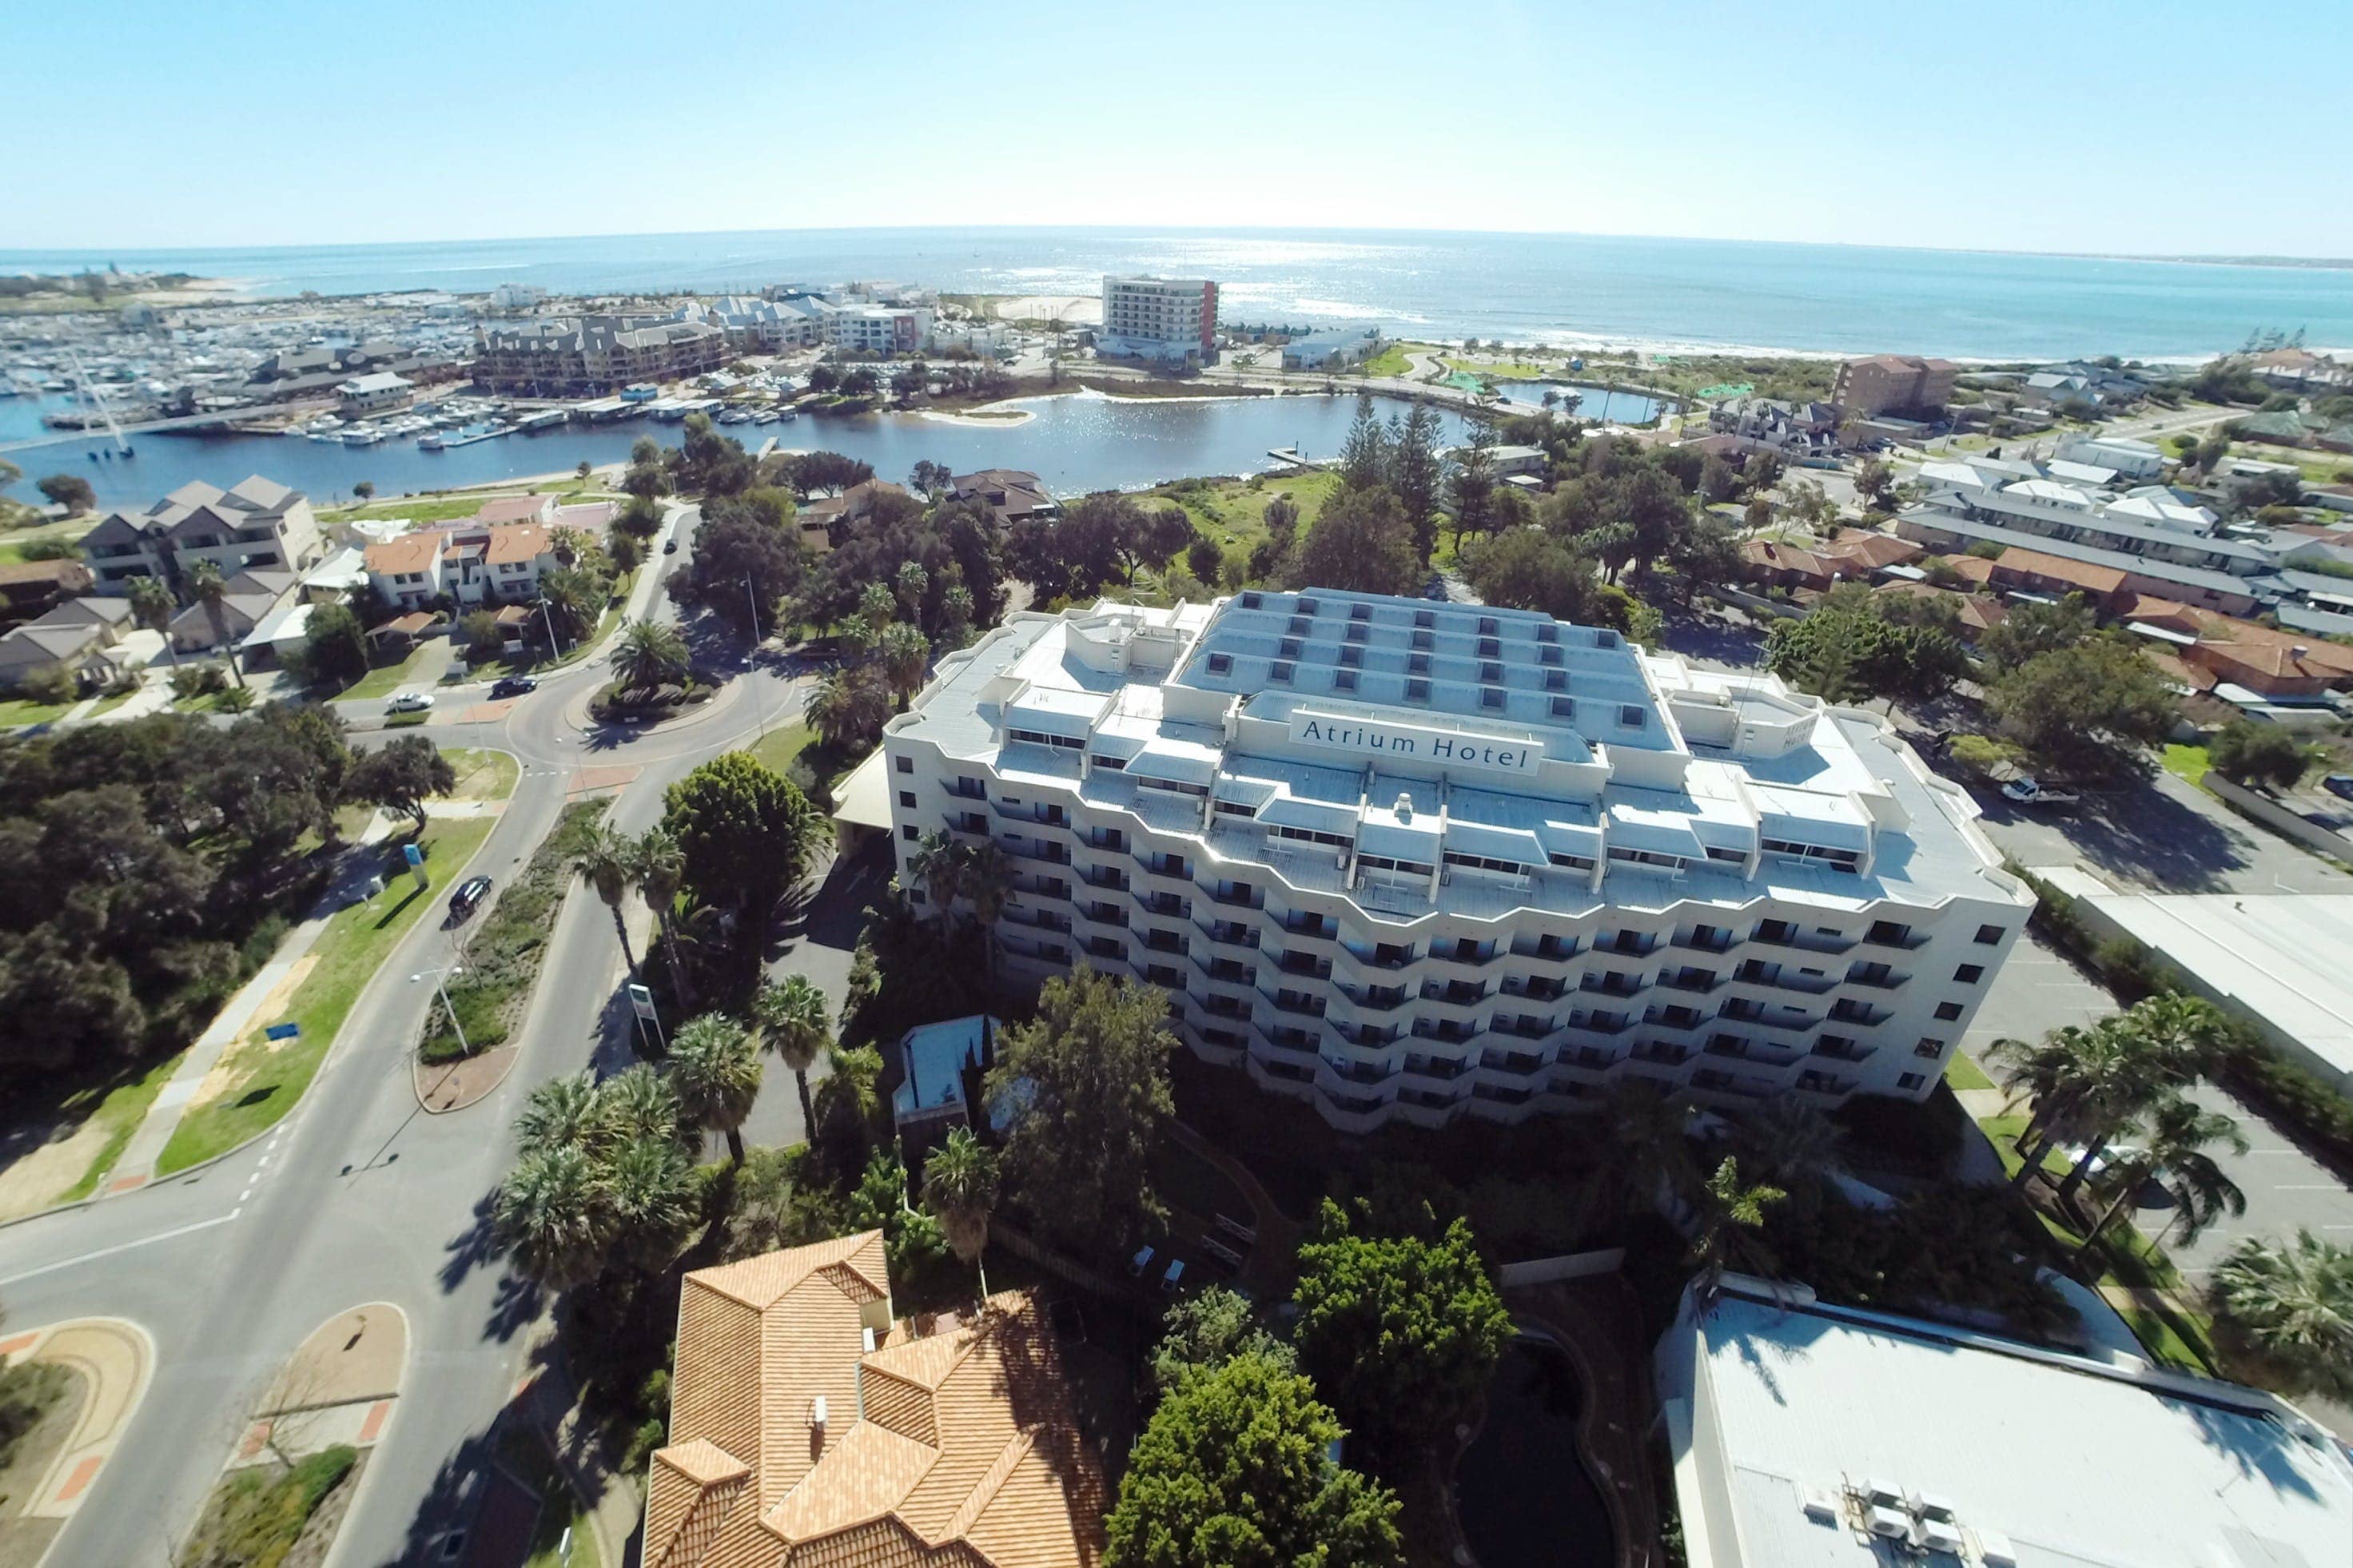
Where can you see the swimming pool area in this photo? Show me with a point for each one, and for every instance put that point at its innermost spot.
(1522, 1489)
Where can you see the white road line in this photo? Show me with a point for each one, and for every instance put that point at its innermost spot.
(121, 1247)
(244, 1194)
(2312, 1187)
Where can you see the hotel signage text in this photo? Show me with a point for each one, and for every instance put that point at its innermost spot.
(1447, 748)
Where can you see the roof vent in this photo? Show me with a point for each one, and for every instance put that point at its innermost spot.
(816, 1412)
(1405, 809)
(1819, 1503)
(1995, 1549)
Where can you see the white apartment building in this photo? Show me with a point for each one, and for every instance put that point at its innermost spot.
(1159, 318)
(876, 329)
(1411, 859)
(256, 524)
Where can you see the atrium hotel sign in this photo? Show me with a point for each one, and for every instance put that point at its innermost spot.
(1372, 738)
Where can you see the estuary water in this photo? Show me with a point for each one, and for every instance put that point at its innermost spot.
(1075, 443)
(1593, 290)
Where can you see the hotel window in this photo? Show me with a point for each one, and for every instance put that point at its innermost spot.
(1425, 618)
(1343, 680)
(1948, 1012)
(1298, 627)
(907, 798)
(1352, 658)
(1969, 974)
(1102, 760)
(1288, 649)
(1281, 672)
(1491, 673)
(1307, 606)
(1359, 633)
(1988, 936)
(1491, 648)
(1556, 680)
(1360, 612)
(1604, 637)
(1570, 862)
(1909, 1080)
(1563, 708)
(1490, 697)
(1549, 633)
(1222, 664)
(1252, 601)
(1630, 716)
(903, 764)
(1417, 689)
(1416, 664)
(1487, 626)
(1549, 656)
(1424, 640)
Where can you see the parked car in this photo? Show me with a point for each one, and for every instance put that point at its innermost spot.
(411, 702)
(2029, 791)
(2338, 785)
(515, 686)
(468, 898)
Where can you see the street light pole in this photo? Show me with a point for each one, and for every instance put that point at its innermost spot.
(441, 985)
(752, 602)
(555, 647)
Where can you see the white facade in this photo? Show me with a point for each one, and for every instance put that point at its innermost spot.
(1410, 859)
(517, 296)
(2133, 458)
(1159, 318)
(876, 329)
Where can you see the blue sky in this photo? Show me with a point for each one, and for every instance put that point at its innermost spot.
(2154, 127)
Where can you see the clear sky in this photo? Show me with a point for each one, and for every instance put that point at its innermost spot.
(2153, 127)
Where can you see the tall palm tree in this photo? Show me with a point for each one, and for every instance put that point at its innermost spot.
(151, 607)
(1731, 1211)
(906, 654)
(2169, 1041)
(938, 863)
(793, 1023)
(2295, 1304)
(960, 1190)
(1650, 1156)
(550, 1216)
(659, 867)
(714, 1068)
(649, 1199)
(607, 858)
(1788, 1144)
(2173, 1155)
(650, 654)
(848, 705)
(641, 1106)
(211, 589)
(563, 1114)
(848, 1097)
(985, 879)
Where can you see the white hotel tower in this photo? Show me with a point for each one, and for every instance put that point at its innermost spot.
(1412, 860)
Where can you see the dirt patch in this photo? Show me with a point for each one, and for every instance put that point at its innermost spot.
(453, 1086)
(235, 1064)
(22, 1540)
(42, 1176)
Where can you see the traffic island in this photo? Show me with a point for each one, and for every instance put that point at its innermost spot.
(85, 1378)
(299, 1464)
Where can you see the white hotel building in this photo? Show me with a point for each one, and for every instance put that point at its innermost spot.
(1168, 319)
(1411, 859)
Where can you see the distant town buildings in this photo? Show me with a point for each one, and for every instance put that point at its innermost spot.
(517, 296)
(256, 524)
(1169, 319)
(560, 355)
(1893, 384)
(755, 325)
(374, 393)
(1334, 348)
(859, 328)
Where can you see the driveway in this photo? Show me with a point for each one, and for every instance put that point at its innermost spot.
(2163, 835)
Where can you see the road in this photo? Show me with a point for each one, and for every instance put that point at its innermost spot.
(359, 1195)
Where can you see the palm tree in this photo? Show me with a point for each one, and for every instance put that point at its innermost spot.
(151, 607)
(1731, 1211)
(960, 1190)
(2294, 1305)
(714, 1068)
(2169, 1041)
(985, 879)
(650, 654)
(848, 706)
(938, 863)
(2174, 1156)
(848, 1099)
(563, 1114)
(1789, 1144)
(650, 1200)
(550, 1215)
(211, 591)
(793, 1025)
(659, 867)
(1650, 1154)
(905, 655)
(606, 858)
(640, 1105)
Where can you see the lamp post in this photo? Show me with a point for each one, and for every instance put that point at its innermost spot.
(440, 983)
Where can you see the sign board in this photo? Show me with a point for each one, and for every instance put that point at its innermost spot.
(283, 1031)
(641, 1002)
(413, 854)
(1374, 737)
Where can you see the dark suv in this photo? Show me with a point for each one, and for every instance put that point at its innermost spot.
(468, 898)
(514, 686)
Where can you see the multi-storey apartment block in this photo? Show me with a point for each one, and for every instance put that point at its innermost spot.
(563, 354)
(1171, 319)
(258, 523)
(1413, 860)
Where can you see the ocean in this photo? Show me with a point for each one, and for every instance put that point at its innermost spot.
(1576, 290)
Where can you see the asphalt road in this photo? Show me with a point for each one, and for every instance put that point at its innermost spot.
(359, 1195)
(2165, 835)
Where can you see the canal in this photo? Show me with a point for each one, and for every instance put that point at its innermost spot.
(1075, 443)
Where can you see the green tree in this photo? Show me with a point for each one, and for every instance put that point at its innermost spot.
(1416, 473)
(364, 490)
(1360, 543)
(847, 1100)
(650, 1201)
(1086, 1087)
(1202, 1331)
(960, 1191)
(2087, 711)
(1846, 652)
(604, 856)
(850, 704)
(1472, 483)
(714, 1067)
(1236, 1468)
(2253, 753)
(1404, 1331)
(401, 775)
(1874, 485)
(748, 834)
(550, 1215)
(650, 654)
(210, 589)
(1529, 569)
(334, 647)
(2294, 1305)
(572, 599)
(2030, 629)
(564, 1113)
(151, 607)
(905, 656)
(792, 1016)
(658, 865)
(2172, 1154)
(1206, 559)
(70, 491)
(1731, 1216)
(1364, 454)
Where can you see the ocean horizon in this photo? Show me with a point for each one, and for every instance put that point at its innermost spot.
(1588, 291)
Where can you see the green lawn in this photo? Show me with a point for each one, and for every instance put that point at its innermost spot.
(443, 506)
(269, 1080)
(482, 773)
(2191, 763)
(116, 1108)
(386, 680)
(17, 710)
(1390, 360)
(1963, 1073)
(792, 742)
(1508, 370)
(1233, 511)
(11, 544)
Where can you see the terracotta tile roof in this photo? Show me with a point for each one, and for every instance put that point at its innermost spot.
(510, 508)
(516, 542)
(957, 1446)
(1978, 611)
(1871, 550)
(2084, 574)
(1970, 568)
(1783, 558)
(410, 552)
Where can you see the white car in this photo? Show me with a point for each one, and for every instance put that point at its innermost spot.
(411, 702)
(2028, 792)
(2112, 1155)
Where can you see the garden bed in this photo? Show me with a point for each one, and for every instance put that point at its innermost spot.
(612, 703)
(503, 956)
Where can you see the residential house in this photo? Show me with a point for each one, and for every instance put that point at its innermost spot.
(469, 562)
(754, 325)
(859, 328)
(1973, 612)
(822, 516)
(2150, 523)
(808, 1423)
(2281, 427)
(1797, 429)
(374, 393)
(1334, 348)
(30, 589)
(76, 637)
(407, 572)
(1852, 555)
(2300, 369)
(247, 600)
(501, 511)
(2135, 459)
(1893, 383)
(2221, 650)
(1012, 495)
(2110, 580)
(257, 523)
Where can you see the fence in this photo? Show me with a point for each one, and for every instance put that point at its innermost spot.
(2279, 819)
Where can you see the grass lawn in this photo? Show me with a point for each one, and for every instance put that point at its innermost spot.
(2189, 762)
(386, 680)
(120, 1112)
(269, 1079)
(482, 773)
(1963, 1073)
(1390, 360)
(442, 507)
(795, 741)
(25, 710)
(1233, 511)
(11, 546)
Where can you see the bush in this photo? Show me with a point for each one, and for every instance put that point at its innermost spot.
(192, 680)
(51, 686)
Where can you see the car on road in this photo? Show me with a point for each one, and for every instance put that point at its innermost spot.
(411, 702)
(468, 898)
(2027, 790)
(2338, 785)
(515, 686)
(669, 547)
(2109, 1154)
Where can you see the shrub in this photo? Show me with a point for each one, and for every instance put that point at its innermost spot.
(50, 686)
(191, 680)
